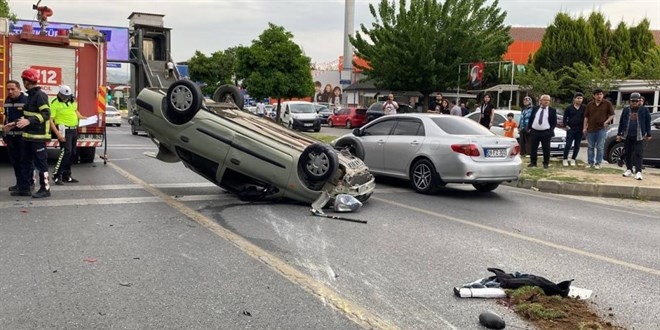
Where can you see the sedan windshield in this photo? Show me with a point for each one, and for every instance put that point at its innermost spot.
(302, 108)
(459, 126)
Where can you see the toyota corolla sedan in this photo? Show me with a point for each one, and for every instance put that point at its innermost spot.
(245, 154)
(433, 150)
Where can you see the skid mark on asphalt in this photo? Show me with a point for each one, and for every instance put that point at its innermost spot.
(525, 238)
(351, 310)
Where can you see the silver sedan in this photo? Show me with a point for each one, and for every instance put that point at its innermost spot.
(433, 150)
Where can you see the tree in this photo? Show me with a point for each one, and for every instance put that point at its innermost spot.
(274, 66)
(558, 47)
(641, 39)
(648, 68)
(6, 12)
(539, 82)
(602, 37)
(584, 78)
(214, 71)
(420, 46)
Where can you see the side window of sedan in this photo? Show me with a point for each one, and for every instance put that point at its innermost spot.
(498, 119)
(475, 116)
(409, 128)
(381, 128)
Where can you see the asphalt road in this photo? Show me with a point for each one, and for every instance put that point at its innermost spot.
(143, 244)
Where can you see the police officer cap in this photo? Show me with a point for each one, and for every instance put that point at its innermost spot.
(635, 96)
(65, 90)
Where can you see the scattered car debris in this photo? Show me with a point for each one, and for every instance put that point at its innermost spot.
(246, 313)
(320, 213)
(89, 260)
(127, 284)
(493, 286)
(491, 320)
(346, 203)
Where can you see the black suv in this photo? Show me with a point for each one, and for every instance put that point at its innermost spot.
(376, 110)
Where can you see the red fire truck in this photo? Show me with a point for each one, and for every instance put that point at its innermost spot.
(75, 57)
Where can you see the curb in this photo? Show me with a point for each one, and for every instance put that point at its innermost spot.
(589, 189)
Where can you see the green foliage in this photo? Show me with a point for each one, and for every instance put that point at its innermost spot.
(419, 46)
(536, 311)
(214, 71)
(648, 68)
(584, 78)
(539, 82)
(600, 30)
(5, 11)
(275, 66)
(558, 47)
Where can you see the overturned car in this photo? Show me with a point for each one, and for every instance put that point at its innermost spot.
(243, 153)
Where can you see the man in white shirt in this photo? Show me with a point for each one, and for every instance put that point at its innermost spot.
(390, 106)
(543, 121)
(261, 109)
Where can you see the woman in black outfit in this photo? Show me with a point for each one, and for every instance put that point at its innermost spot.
(487, 112)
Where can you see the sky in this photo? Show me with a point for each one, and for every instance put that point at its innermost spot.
(317, 25)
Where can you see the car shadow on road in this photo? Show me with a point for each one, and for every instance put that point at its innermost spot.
(456, 191)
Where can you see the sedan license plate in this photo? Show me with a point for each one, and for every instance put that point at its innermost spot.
(495, 153)
(308, 124)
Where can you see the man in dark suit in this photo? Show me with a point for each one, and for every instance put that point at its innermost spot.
(542, 123)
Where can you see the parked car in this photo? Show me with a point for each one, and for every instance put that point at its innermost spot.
(347, 116)
(134, 121)
(300, 115)
(557, 142)
(376, 110)
(614, 150)
(245, 154)
(433, 150)
(323, 111)
(112, 116)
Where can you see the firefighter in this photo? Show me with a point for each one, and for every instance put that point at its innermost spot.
(36, 131)
(13, 136)
(64, 117)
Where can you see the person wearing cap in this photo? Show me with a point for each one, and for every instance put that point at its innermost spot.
(573, 121)
(64, 123)
(597, 117)
(36, 131)
(634, 127)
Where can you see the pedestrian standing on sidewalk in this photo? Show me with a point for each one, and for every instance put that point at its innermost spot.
(542, 122)
(573, 121)
(634, 127)
(597, 118)
(524, 128)
(36, 131)
(13, 136)
(64, 117)
(487, 111)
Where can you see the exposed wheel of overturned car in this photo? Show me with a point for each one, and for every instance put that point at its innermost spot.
(229, 94)
(354, 147)
(183, 101)
(318, 162)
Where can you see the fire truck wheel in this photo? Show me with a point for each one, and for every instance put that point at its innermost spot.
(229, 94)
(183, 100)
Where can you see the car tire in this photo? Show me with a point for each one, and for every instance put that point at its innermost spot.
(615, 153)
(229, 94)
(349, 125)
(318, 162)
(354, 147)
(318, 129)
(183, 101)
(485, 187)
(330, 123)
(424, 177)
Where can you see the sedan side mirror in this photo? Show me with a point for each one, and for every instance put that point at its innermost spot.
(356, 132)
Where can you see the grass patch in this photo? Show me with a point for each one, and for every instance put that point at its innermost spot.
(321, 137)
(554, 312)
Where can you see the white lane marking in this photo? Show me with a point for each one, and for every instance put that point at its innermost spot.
(28, 202)
(525, 238)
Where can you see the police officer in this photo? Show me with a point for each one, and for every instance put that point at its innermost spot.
(36, 131)
(64, 117)
(13, 136)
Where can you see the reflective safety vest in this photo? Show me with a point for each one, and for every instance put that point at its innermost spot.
(36, 110)
(64, 112)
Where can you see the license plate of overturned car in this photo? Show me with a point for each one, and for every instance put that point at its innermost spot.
(496, 153)
(252, 157)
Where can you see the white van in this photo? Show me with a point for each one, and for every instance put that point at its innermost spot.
(300, 115)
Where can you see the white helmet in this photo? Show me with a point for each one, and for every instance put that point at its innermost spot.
(65, 90)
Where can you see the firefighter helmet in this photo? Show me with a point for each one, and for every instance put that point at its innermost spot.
(30, 75)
